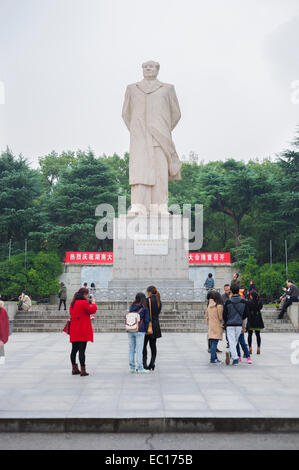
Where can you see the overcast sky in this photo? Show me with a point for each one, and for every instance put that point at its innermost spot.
(65, 65)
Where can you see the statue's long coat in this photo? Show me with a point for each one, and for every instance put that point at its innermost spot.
(151, 115)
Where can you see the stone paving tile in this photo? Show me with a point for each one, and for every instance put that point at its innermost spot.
(36, 380)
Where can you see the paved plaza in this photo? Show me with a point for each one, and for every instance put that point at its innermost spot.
(36, 380)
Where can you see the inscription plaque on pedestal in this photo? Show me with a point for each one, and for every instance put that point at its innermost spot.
(150, 245)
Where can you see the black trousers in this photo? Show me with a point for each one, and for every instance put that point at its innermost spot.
(78, 346)
(287, 303)
(258, 337)
(153, 346)
(60, 303)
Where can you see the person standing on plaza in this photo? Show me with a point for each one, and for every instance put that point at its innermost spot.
(136, 338)
(209, 282)
(81, 331)
(255, 321)
(242, 343)
(62, 296)
(252, 287)
(235, 315)
(291, 294)
(4, 331)
(154, 305)
(226, 296)
(214, 317)
(227, 293)
(236, 279)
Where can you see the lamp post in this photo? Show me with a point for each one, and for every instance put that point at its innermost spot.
(271, 253)
(9, 249)
(25, 254)
(286, 255)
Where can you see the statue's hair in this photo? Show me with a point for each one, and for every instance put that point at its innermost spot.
(157, 65)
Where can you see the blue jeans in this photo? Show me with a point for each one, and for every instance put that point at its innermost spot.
(244, 346)
(213, 347)
(136, 341)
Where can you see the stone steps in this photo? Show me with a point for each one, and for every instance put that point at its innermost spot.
(121, 314)
(187, 317)
(168, 330)
(165, 321)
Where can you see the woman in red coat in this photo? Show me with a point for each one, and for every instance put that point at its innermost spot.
(4, 331)
(81, 329)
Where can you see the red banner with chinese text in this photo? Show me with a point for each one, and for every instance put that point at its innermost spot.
(215, 258)
(107, 257)
(88, 257)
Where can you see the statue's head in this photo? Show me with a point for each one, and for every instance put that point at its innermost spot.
(150, 69)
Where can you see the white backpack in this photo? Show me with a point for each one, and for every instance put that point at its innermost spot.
(132, 321)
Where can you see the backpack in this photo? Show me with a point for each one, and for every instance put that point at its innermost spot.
(132, 321)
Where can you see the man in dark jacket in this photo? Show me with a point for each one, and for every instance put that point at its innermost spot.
(291, 294)
(235, 315)
(226, 294)
(236, 279)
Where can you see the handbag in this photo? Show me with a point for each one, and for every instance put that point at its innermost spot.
(67, 327)
(150, 325)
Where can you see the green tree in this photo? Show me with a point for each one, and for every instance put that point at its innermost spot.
(38, 277)
(293, 271)
(70, 208)
(120, 168)
(244, 251)
(250, 272)
(42, 276)
(232, 188)
(270, 281)
(52, 165)
(21, 188)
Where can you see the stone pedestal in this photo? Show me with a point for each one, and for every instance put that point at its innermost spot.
(293, 314)
(150, 251)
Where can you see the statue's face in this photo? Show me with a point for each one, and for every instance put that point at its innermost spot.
(150, 70)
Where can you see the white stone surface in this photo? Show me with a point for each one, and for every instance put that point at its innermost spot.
(151, 112)
(129, 268)
(293, 313)
(36, 380)
(150, 245)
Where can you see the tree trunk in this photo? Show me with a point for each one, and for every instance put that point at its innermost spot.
(237, 231)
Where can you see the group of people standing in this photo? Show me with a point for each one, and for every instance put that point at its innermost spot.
(148, 308)
(230, 312)
(148, 330)
(234, 315)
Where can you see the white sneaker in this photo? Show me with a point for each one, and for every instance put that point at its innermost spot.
(143, 371)
(2, 360)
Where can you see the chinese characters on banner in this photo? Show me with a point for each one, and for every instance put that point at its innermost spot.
(107, 257)
(88, 257)
(198, 258)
